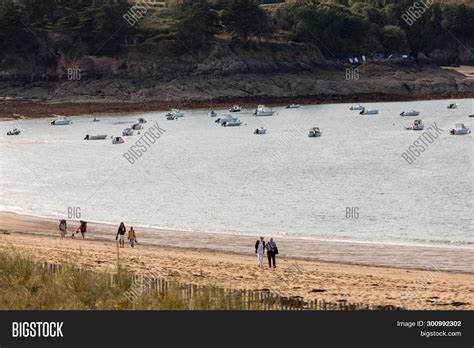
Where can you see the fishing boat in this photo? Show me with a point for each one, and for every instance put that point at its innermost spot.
(175, 113)
(127, 132)
(262, 110)
(95, 137)
(417, 125)
(235, 108)
(293, 106)
(231, 123)
(61, 121)
(136, 126)
(369, 112)
(260, 130)
(453, 106)
(410, 113)
(357, 107)
(459, 129)
(212, 113)
(314, 132)
(14, 131)
(117, 140)
(141, 120)
(225, 118)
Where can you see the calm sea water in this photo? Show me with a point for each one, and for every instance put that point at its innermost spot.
(350, 184)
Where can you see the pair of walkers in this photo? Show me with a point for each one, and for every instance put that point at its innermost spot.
(270, 248)
(132, 238)
(63, 229)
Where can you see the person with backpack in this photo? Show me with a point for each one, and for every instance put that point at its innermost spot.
(260, 251)
(62, 228)
(272, 251)
(132, 238)
(121, 235)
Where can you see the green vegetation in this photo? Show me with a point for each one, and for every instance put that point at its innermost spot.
(340, 28)
(28, 285)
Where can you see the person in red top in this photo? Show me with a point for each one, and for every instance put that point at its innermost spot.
(82, 228)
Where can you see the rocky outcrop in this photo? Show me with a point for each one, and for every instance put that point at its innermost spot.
(226, 71)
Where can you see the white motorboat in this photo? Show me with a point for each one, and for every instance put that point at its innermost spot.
(141, 120)
(95, 137)
(231, 123)
(117, 140)
(369, 112)
(61, 121)
(127, 132)
(262, 110)
(235, 108)
(260, 130)
(136, 126)
(225, 118)
(357, 107)
(14, 131)
(417, 125)
(453, 106)
(314, 132)
(410, 113)
(293, 106)
(459, 129)
(175, 113)
(212, 113)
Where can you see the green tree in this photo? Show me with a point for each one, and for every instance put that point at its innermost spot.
(197, 23)
(244, 18)
(394, 39)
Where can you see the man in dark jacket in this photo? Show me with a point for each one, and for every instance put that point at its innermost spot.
(272, 250)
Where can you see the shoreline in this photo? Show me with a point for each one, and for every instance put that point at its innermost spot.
(429, 288)
(456, 259)
(31, 109)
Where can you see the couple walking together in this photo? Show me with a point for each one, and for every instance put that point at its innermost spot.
(270, 247)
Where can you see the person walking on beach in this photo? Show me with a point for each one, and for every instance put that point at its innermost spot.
(62, 228)
(272, 251)
(132, 238)
(82, 228)
(260, 251)
(121, 235)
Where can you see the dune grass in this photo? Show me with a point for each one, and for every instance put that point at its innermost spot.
(26, 284)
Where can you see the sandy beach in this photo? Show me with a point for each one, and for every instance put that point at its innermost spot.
(189, 257)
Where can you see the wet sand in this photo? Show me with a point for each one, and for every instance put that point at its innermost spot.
(333, 271)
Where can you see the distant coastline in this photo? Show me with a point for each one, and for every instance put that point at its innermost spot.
(17, 108)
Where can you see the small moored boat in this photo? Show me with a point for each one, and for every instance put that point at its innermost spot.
(452, 106)
(459, 129)
(95, 137)
(170, 117)
(235, 108)
(314, 132)
(61, 121)
(136, 126)
(14, 131)
(357, 107)
(212, 113)
(260, 130)
(369, 112)
(175, 113)
(117, 140)
(141, 120)
(95, 119)
(127, 132)
(293, 106)
(417, 125)
(231, 123)
(262, 110)
(410, 113)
